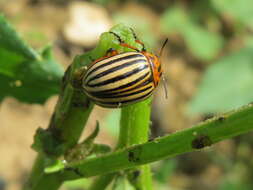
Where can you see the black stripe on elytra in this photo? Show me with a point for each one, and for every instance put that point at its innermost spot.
(119, 77)
(128, 94)
(106, 93)
(111, 91)
(114, 61)
(126, 101)
(116, 68)
(144, 83)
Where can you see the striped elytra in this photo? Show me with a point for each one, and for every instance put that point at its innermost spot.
(122, 79)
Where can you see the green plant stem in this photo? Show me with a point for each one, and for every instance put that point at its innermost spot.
(71, 113)
(202, 135)
(134, 124)
(134, 129)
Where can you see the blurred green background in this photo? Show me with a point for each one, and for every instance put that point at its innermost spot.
(208, 66)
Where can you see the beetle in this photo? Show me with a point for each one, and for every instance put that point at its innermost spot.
(120, 79)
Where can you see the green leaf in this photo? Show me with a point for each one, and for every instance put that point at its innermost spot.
(45, 143)
(141, 25)
(26, 75)
(174, 20)
(241, 10)
(11, 41)
(203, 44)
(226, 85)
(54, 165)
(30, 81)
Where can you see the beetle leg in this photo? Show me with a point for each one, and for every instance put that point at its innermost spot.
(138, 41)
(122, 43)
(111, 52)
(143, 46)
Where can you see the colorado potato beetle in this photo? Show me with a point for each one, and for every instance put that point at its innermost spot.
(120, 79)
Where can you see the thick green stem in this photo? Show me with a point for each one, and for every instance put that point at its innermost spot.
(134, 124)
(71, 113)
(188, 140)
(134, 129)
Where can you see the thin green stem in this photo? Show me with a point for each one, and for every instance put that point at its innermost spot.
(202, 135)
(134, 129)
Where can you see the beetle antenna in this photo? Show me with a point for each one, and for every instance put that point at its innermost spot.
(163, 78)
(162, 48)
(165, 87)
